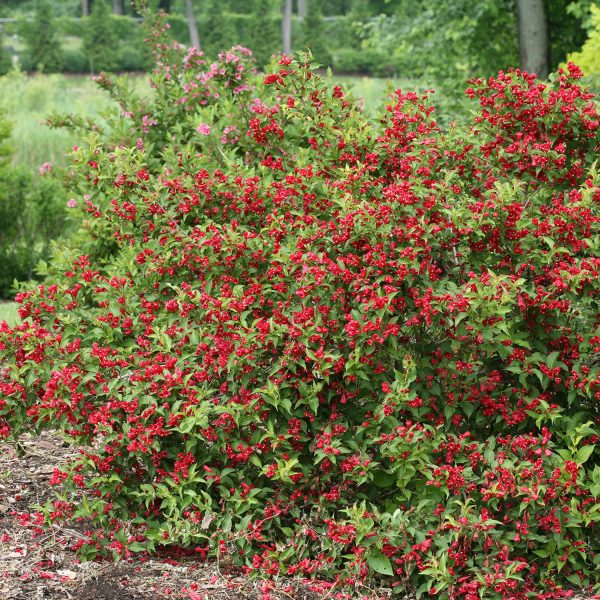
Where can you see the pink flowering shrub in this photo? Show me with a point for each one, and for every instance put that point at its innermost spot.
(324, 347)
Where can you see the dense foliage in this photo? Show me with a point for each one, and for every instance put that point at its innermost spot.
(589, 56)
(5, 59)
(44, 51)
(436, 38)
(100, 41)
(314, 345)
(32, 213)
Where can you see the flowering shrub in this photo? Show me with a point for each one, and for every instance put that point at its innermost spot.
(318, 346)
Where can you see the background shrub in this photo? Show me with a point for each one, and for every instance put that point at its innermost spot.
(263, 33)
(32, 213)
(100, 40)
(75, 61)
(313, 34)
(589, 56)
(5, 57)
(219, 29)
(41, 35)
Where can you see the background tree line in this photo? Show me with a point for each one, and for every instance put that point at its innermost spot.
(438, 39)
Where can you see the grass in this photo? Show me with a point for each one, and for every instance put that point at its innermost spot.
(8, 312)
(27, 101)
(374, 90)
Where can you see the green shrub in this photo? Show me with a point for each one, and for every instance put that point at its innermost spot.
(588, 58)
(263, 32)
(218, 30)
(43, 52)
(32, 214)
(311, 344)
(5, 57)
(313, 34)
(100, 41)
(134, 57)
(362, 61)
(75, 62)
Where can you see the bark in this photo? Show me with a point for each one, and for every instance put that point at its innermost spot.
(532, 25)
(286, 27)
(85, 8)
(118, 7)
(302, 8)
(192, 24)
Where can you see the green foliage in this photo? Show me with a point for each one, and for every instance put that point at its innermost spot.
(445, 40)
(588, 58)
(32, 214)
(309, 343)
(44, 52)
(5, 58)
(566, 27)
(6, 148)
(217, 29)
(8, 312)
(263, 33)
(75, 61)
(100, 41)
(313, 34)
(361, 61)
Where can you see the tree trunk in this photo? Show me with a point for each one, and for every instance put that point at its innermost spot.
(192, 24)
(118, 7)
(286, 27)
(85, 8)
(302, 8)
(532, 28)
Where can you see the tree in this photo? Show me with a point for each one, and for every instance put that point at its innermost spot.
(192, 24)
(118, 7)
(286, 26)
(43, 44)
(85, 8)
(532, 28)
(100, 43)
(313, 29)
(218, 32)
(302, 8)
(264, 35)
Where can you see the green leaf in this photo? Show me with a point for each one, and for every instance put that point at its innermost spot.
(380, 563)
(583, 454)
(186, 424)
(383, 480)
(551, 359)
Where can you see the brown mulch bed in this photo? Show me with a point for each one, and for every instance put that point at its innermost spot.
(41, 566)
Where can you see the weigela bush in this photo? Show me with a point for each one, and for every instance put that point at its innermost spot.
(317, 346)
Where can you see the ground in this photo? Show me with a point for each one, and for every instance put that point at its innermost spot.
(42, 567)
